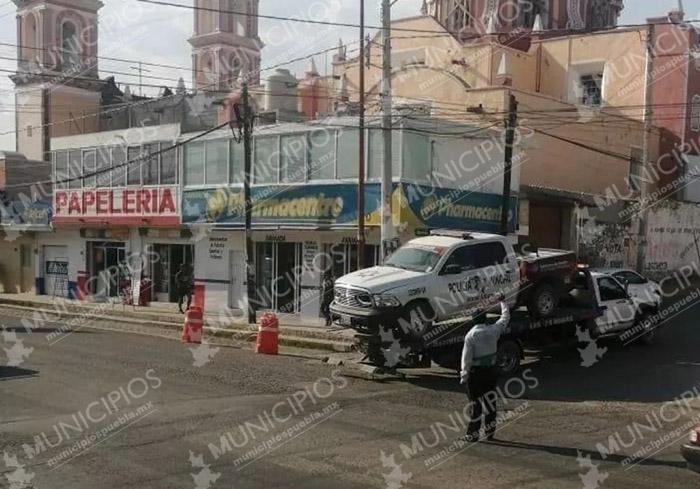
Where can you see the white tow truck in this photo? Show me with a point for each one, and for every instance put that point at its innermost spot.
(429, 290)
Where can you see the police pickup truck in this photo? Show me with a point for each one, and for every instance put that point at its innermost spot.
(448, 275)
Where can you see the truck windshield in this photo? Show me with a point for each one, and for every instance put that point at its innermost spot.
(413, 258)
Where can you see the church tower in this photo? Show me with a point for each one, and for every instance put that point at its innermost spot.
(57, 72)
(225, 46)
(469, 18)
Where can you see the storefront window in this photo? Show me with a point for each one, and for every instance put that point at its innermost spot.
(266, 161)
(376, 154)
(103, 164)
(416, 156)
(61, 172)
(75, 169)
(293, 158)
(89, 162)
(322, 155)
(150, 165)
(236, 162)
(119, 167)
(194, 164)
(217, 153)
(348, 157)
(133, 168)
(168, 167)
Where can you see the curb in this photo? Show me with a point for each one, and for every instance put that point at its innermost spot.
(238, 335)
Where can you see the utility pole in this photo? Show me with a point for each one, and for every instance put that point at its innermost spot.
(248, 211)
(643, 187)
(511, 123)
(387, 176)
(361, 170)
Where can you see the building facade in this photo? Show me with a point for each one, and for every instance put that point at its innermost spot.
(305, 212)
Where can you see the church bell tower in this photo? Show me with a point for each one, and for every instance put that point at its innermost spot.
(57, 72)
(225, 46)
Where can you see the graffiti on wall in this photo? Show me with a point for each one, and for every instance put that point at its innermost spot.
(673, 237)
(602, 244)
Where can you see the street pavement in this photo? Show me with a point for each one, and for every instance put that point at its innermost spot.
(100, 409)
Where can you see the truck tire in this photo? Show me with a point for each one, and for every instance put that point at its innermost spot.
(508, 357)
(416, 320)
(650, 337)
(543, 302)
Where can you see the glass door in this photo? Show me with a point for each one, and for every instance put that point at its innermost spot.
(277, 271)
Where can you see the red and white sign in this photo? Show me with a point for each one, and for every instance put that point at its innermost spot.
(139, 206)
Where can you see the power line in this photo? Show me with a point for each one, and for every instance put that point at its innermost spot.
(376, 27)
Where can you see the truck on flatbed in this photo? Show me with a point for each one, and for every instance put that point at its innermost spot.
(597, 305)
(448, 275)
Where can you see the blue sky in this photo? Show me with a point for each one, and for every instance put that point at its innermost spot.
(138, 31)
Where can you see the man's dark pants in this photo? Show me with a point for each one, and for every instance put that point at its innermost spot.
(481, 381)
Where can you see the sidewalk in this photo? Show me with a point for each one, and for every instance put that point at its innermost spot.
(229, 325)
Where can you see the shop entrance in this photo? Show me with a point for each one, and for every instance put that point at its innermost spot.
(107, 268)
(168, 258)
(343, 257)
(278, 284)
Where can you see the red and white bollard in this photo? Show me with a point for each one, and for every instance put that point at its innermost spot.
(192, 329)
(268, 334)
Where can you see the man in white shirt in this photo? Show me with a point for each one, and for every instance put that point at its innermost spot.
(479, 371)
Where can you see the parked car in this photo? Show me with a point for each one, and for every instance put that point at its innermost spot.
(639, 287)
(691, 450)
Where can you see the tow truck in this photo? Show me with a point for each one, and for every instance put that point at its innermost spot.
(597, 304)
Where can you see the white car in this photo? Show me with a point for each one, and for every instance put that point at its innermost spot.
(638, 287)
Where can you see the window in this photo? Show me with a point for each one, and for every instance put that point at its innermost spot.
(421, 259)
(530, 10)
(266, 165)
(216, 166)
(416, 156)
(610, 290)
(695, 114)
(103, 164)
(133, 168)
(61, 171)
(194, 164)
(168, 166)
(376, 154)
(322, 155)
(458, 16)
(348, 157)
(75, 169)
(119, 167)
(89, 162)
(636, 169)
(476, 256)
(629, 277)
(150, 165)
(237, 163)
(70, 45)
(592, 90)
(293, 158)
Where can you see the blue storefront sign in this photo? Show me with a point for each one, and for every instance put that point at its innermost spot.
(336, 204)
(17, 212)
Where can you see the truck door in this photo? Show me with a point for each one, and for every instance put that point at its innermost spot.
(458, 284)
(619, 309)
(497, 270)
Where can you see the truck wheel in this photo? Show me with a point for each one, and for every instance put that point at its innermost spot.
(649, 337)
(543, 301)
(416, 320)
(508, 357)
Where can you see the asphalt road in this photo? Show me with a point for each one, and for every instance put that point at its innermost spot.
(103, 409)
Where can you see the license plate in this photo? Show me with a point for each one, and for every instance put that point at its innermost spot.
(344, 320)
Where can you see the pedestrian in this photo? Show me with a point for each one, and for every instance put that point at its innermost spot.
(185, 283)
(327, 295)
(480, 373)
